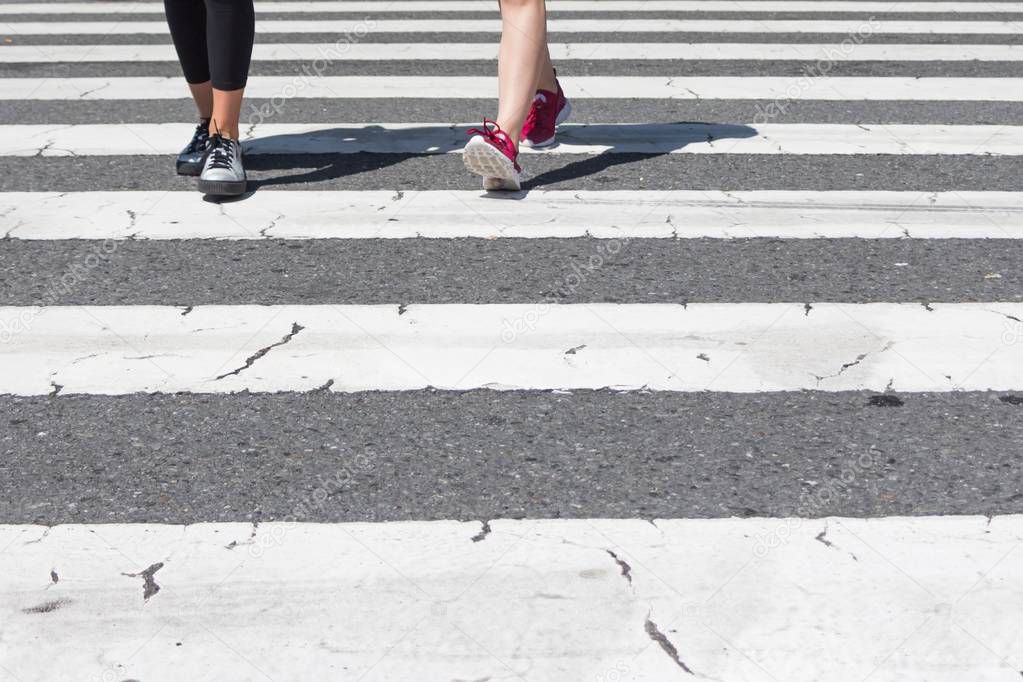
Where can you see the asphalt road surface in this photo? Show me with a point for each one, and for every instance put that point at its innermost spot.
(847, 509)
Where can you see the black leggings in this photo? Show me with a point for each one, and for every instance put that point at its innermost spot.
(213, 39)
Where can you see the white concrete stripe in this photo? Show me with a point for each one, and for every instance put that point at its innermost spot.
(755, 600)
(737, 6)
(738, 347)
(440, 138)
(786, 88)
(538, 214)
(358, 27)
(561, 51)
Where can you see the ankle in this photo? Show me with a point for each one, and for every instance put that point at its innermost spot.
(510, 136)
(548, 82)
(228, 131)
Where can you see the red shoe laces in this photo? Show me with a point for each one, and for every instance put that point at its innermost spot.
(538, 102)
(491, 131)
(497, 137)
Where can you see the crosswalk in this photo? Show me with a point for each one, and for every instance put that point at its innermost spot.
(732, 391)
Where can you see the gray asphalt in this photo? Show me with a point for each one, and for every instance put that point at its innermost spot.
(195, 272)
(480, 454)
(561, 171)
(552, 15)
(583, 111)
(483, 454)
(642, 67)
(554, 37)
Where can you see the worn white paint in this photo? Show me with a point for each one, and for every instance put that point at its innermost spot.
(357, 27)
(440, 138)
(781, 88)
(742, 347)
(751, 600)
(391, 6)
(475, 51)
(533, 215)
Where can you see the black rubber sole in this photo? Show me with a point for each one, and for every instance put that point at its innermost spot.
(189, 168)
(222, 188)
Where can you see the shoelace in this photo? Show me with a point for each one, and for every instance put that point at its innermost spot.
(538, 103)
(221, 152)
(200, 138)
(492, 132)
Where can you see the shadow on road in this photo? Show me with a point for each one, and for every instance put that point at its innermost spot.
(330, 153)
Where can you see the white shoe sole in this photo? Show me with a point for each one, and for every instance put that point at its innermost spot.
(497, 170)
(562, 117)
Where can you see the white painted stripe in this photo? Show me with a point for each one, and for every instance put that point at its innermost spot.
(738, 347)
(440, 138)
(581, 87)
(799, 600)
(538, 214)
(369, 25)
(561, 51)
(737, 6)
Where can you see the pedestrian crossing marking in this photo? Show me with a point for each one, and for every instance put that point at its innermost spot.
(758, 599)
(412, 596)
(752, 347)
(359, 27)
(599, 52)
(538, 214)
(780, 89)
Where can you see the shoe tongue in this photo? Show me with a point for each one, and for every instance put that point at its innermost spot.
(540, 97)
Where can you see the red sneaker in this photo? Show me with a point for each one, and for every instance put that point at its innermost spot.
(550, 109)
(492, 154)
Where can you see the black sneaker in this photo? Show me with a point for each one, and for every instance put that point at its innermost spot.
(223, 174)
(192, 157)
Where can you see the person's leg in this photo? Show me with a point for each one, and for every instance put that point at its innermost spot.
(548, 79)
(550, 108)
(230, 31)
(202, 93)
(493, 151)
(187, 22)
(522, 55)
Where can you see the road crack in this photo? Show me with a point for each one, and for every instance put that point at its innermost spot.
(149, 586)
(654, 633)
(623, 565)
(249, 361)
(484, 532)
(859, 358)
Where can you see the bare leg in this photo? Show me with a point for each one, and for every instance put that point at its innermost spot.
(522, 54)
(227, 109)
(202, 93)
(547, 79)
